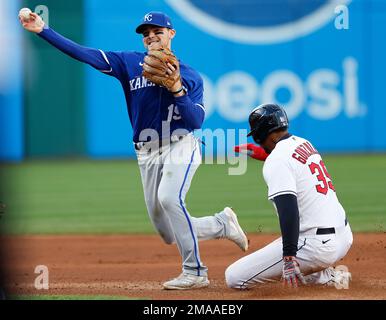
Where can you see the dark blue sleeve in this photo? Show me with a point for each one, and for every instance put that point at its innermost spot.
(190, 105)
(287, 209)
(94, 57)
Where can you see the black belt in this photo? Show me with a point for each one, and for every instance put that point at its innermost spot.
(328, 230)
(161, 143)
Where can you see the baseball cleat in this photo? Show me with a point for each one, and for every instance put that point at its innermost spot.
(186, 281)
(234, 231)
(339, 278)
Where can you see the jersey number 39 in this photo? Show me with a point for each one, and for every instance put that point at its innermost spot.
(325, 179)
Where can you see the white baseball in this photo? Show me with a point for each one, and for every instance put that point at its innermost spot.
(24, 13)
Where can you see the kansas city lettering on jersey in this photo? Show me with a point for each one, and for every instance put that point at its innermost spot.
(303, 152)
(139, 83)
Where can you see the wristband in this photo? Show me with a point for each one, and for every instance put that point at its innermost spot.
(180, 90)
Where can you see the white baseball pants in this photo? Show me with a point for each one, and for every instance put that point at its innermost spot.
(315, 254)
(166, 177)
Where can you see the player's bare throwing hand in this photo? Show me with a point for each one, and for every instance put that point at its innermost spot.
(34, 23)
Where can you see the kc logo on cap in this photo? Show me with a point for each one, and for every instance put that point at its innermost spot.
(155, 18)
(148, 17)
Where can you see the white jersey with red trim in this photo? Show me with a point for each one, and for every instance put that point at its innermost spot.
(295, 167)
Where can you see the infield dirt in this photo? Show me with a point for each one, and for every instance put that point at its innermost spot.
(136, 266)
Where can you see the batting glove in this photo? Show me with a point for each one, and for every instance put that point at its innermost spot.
(252, 150)
(291, 272)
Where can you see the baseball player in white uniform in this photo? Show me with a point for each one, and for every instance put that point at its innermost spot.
(314, 228)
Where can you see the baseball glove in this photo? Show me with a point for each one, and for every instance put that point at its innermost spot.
(155, 68)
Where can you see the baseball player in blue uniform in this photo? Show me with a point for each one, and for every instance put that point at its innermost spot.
(163, 120)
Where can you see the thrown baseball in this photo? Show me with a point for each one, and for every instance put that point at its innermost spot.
(24, 13)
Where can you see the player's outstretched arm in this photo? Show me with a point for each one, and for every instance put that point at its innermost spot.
(90, 56)
(252, 150)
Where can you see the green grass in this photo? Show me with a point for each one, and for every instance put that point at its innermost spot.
(81, 196)
(68, 297)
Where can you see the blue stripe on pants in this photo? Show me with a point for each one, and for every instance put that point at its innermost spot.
(187, 216)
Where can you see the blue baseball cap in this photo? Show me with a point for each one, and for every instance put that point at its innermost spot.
(154, 19)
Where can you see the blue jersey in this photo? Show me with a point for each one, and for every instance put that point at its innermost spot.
(148, 104)
(150, 107)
